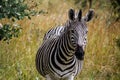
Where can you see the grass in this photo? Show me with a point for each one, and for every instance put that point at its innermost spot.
(102, 57)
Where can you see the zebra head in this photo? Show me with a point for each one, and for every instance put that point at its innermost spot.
(78, 23)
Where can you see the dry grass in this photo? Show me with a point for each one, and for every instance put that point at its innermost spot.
(102, 58)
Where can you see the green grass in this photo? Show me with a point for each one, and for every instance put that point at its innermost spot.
(102, 57)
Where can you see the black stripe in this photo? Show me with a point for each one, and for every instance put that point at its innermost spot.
(53, 58)
(61, 51)
(68, 69)
(62, 62)
(67, 44)
(53, 61)
(65, 49)
(38, 61)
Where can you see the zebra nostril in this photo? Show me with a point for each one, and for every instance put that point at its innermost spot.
(85, 39)
(86, 32)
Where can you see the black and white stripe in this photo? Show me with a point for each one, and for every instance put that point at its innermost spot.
(54, 32)
(61, 55)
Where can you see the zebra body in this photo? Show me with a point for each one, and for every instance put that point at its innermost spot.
(61, 55)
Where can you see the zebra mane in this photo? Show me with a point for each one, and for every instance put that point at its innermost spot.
(66, 25)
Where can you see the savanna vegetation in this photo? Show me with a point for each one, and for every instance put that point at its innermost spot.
(102, 55)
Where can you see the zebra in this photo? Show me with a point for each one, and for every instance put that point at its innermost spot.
(61, 55)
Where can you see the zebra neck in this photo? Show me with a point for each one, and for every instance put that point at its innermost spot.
(66, 48)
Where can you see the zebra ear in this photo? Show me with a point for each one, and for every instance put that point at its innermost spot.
(71, 14)
(79, 14)
(89, 15)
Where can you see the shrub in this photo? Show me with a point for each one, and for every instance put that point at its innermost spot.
(12, 10)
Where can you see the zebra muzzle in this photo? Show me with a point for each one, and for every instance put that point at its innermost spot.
(79, 53)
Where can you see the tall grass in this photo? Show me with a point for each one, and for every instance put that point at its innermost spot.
(102, 57)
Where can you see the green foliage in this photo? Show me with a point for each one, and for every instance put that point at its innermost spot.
(8, 31)
(13, 8)
(115, 5)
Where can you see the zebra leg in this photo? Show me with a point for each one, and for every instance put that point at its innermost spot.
(48, 77)
(71, 77)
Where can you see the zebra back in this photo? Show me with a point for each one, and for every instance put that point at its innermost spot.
(54, 32)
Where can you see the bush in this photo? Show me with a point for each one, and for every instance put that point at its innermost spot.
(13, 10)
(8, 31)
(115, 4)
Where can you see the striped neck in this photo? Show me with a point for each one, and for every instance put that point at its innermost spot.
(68, 45)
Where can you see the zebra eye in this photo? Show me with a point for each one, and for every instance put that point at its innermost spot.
(72, 31)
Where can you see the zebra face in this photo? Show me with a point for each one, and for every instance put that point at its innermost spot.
(78, 23)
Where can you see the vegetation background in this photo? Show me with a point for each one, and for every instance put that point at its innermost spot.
(102, 55)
